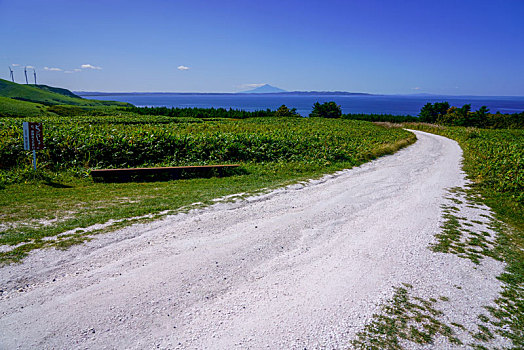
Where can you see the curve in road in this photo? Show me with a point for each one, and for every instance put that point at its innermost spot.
(301, 267)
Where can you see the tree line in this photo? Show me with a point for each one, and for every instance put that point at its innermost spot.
(443, 114)
(201, 112)
(440, 113)
(437, 113)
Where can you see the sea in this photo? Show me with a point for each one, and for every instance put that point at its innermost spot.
(371, 104)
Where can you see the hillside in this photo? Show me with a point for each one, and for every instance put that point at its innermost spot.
(10, 107)
(48, 95)
(60, 91)
(17, 100)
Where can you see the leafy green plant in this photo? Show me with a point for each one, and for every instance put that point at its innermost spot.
(381, 117)
(88, 145)
(204, 113)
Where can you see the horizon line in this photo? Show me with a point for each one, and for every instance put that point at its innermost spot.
(340, 92)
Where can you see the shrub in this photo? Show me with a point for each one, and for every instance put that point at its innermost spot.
(430, 113)
(283, 111)
(326, 110)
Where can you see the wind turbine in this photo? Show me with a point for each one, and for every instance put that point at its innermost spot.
(34, 73)
(12, 76)
(25, 72)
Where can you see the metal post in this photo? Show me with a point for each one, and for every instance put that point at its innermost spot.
(34, 159)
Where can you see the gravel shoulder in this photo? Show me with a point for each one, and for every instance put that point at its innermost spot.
(301, 267)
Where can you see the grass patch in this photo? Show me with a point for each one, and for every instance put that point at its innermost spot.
(42, 210)
(18, 109)
(460, 237)
(406, 318)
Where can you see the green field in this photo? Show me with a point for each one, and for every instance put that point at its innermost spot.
(18, 100)
(15, 108)
(76, 144)
(61, 196)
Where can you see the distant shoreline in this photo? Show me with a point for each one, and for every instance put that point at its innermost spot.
(303, 101)
(288, 93)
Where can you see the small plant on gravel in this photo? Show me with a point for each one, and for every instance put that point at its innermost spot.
(405, 318)
(470, 243)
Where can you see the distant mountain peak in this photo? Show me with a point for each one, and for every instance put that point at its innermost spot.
(264, 89)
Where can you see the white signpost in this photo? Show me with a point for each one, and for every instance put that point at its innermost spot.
(33, 138)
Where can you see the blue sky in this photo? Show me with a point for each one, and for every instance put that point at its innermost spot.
(442, 47)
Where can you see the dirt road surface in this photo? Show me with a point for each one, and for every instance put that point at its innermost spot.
(301, 267)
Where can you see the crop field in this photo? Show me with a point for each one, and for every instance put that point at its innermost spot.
(61, 196)
(84, 145)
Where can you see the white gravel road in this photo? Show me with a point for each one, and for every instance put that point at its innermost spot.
(300, 267)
